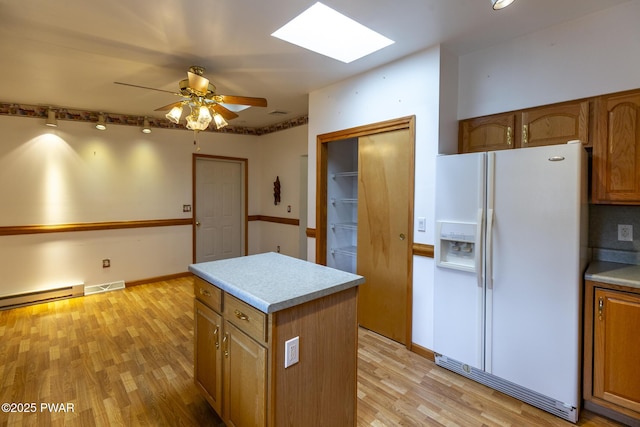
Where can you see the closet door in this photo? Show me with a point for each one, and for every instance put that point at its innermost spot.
(385, 183)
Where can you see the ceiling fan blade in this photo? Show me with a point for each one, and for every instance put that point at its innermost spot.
(241, 100)
(169, 106)
(145, 87)
(224, 112)
(198, 84)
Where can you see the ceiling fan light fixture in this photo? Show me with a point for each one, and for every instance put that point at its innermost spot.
(175, 114)
(204, 116)
(219, 121)
(500, 4)
(145, 126)
(52, 121)
(101, 125)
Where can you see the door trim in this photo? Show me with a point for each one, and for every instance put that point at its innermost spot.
(322, 151)
(245, 189)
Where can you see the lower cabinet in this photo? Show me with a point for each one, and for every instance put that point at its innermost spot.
(245, 379)
(612, 372)
(239, 360)
(207, 354)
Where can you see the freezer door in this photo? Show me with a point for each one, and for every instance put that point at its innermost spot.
(533, 299)
(459, 294)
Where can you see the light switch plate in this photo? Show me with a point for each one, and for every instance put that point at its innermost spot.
(422, 223)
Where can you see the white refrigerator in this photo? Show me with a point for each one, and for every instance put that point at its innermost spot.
(511, 230)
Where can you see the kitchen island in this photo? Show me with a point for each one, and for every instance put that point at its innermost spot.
(276, 341)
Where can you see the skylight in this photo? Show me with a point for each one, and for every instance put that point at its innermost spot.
(327, 32)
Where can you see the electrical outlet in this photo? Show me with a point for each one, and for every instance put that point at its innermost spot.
(106, 263)
(625, 233)
(291, 352)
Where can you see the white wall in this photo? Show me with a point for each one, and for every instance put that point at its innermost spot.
(590, 56)
(280, 156)
(407, 87)
(74, 174)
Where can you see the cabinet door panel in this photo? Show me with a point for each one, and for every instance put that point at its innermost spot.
(557, 124)
(207, 356)
(245, 379)
(616, 154)
(616, 349)
(487, 133)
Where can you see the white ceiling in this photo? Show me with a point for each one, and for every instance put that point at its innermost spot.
(68, 53)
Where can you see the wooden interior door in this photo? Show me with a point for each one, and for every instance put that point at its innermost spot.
(219, 199)
(385, 182)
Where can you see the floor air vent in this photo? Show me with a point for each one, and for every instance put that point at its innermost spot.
(105, 287)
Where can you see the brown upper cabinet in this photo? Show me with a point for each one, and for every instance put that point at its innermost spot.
(555, 124)
(487, 133)
(546, 125)
(616, 152)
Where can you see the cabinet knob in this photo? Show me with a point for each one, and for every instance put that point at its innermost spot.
(215, 334)
(525, 134)
(205, 292)
(197, 223)
(509, 132)
(402, 236)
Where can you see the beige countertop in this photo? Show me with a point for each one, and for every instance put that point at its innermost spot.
(614, 273)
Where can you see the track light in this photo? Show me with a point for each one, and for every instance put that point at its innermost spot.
(51, 118)
(501, 4)
(101, 125)
(145, 126)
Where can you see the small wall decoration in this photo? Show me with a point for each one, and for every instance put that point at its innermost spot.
(276, 191)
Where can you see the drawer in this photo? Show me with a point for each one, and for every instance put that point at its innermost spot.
(207, 293)
(249, 319)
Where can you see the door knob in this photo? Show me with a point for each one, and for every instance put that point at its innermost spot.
(402, 236)
(197, 223)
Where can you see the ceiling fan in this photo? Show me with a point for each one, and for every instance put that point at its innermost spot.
(204, 103)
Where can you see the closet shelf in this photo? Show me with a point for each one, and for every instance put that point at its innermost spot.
(343, 200)
(347, 250)
(345, 225)
(345, 174)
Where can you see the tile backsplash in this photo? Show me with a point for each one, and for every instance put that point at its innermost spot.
(603, 233)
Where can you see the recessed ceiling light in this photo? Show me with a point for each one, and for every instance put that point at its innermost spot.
(327, 32)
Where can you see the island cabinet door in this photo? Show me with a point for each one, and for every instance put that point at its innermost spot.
(245, 379)
(207, 355)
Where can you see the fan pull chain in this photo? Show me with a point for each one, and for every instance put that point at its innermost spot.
(195, 140)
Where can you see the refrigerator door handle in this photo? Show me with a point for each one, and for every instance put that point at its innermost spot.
(478, 248)
(489, 249)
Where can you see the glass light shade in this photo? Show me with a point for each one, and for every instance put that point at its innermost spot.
(219, 121)
(192, 122)
(501, 4)
(204, 116)
(175, 114)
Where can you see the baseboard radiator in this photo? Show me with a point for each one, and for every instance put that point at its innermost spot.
(36, 297)
(531, 397)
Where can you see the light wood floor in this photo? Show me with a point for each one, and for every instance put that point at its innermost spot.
(126, 358)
